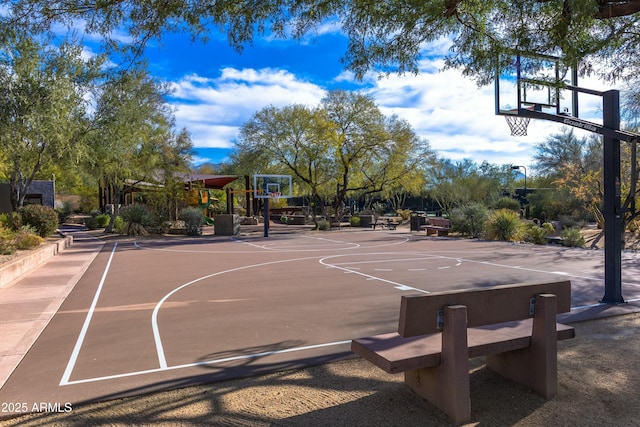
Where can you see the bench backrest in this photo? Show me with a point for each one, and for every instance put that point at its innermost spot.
(439, 222)
(422, 314)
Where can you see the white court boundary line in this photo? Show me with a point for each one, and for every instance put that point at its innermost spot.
(83, 332)
(66, 376)
(208, 362)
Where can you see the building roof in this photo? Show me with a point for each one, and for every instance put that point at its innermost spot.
(216, 182)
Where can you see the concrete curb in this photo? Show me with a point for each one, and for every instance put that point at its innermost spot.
(21, 265)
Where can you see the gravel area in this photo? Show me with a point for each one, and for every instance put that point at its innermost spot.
(599, 384)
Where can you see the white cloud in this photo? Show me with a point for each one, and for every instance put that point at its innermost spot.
(450, 111)
(213, 109)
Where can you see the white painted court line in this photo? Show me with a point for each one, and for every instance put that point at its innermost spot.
(162, 361)
(493, 264)
(396, 285)
(208, 362)
(83, 332)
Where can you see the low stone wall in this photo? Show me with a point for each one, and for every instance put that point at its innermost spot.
(15, 268)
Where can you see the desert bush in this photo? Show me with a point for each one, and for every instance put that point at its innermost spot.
(323, 224)
(11, 221)
(103, 220)
(27, 238)
(354, 221)
(91, 223)
(508, 203)
(43, 219)
(572, 237)
(405, 214)
(7, 246)
(469, 220)
(135, 216)
(64, 212)
(118, 225)
(537, 235)
(503, 224)
(193, 220)
(135, 213)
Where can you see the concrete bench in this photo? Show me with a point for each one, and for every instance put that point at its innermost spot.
(437, 226)
(514, 326)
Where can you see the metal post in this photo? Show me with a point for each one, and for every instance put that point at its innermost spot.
(266, 217)
(612, 209)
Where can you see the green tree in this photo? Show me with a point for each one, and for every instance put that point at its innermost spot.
(43, 104)
(387, 36)
(374, 153)
(134, 140)
(344, 148)
(574, 167)
(458, 184)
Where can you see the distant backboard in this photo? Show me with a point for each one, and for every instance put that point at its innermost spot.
(539, 83)
(272, 186)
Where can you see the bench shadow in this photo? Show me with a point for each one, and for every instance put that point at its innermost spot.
(349, 392)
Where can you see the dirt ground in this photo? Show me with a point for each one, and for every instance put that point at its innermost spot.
(599, 384)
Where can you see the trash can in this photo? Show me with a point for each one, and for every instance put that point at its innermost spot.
(416, 220)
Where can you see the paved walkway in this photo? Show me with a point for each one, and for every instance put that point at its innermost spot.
(28, 303)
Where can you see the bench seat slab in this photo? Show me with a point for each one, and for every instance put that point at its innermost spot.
(394, 354)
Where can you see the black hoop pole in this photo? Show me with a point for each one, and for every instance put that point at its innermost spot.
(612, 209)
(266, 217)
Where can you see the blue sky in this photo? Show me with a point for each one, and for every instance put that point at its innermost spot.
(217, 89)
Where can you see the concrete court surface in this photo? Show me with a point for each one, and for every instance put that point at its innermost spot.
(155, 314)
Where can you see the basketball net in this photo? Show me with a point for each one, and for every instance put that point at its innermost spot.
(275, 196)
(518, 125)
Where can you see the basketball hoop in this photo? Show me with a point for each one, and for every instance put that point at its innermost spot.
(517, 124)
(275, 196)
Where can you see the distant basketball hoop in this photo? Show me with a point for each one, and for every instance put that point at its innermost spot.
(517, 124)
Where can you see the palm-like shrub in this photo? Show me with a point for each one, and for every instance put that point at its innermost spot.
(504, 224)
(537, 235)
(135, 216)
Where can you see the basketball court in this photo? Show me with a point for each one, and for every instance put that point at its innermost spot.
(150, 315)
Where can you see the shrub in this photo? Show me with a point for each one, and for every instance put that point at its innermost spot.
(64, 212)
(572, 237)
(504, 224)
(537, 235)
(136, 213)
(26, 238)
(354, 221)
(469, 220)
(508, 203)
(103, 220)
(135, 216)
(91, 223)
(42, 218)
(118, 225)
(405, 214)
(193, 220)
(11, 221)
(323, 224)
(7, 246)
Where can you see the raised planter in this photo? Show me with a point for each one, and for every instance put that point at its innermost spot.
(22, 264)
(226, 225)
